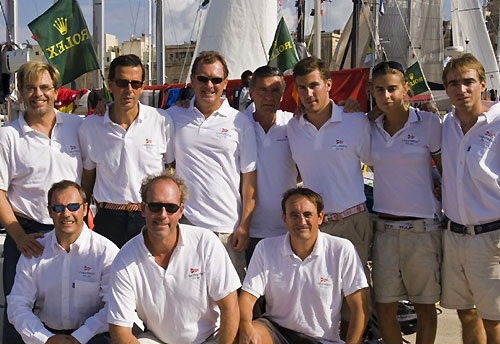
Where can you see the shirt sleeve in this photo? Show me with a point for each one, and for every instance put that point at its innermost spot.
(256, 277)
(435, 134)
(122, 298)
(365, 141)
(353, 275)
(5, 168)
(98, 322)
(88, 164)
(222, 278)
(169, 155)
(248, 147)
(21, 301)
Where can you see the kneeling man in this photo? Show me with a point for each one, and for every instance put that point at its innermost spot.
(303, 275)
(68, 282)
(178, 277)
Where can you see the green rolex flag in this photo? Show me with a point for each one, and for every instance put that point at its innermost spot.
(282, 53)
(416, 79)
(65, 40)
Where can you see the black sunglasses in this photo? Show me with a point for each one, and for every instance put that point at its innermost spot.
(59, 208)
(123, 83)
(390, 64)
(156, 207)
(205, 79)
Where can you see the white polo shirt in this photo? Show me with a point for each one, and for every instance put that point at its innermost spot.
(277, 173)
(471, 169)
(329, 159)
(31, 162)
(305, 296)
(403, 173)
(70, 289)
(210, 155)
(177, 304)
(122, 158)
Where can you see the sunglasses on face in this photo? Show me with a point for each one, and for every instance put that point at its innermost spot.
(205, 79)
(156, 207)
(123, 83)
(390, 64)
(59, 208)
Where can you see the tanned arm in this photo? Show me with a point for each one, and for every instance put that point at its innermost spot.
(229, 318)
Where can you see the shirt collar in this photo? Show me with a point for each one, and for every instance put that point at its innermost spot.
(81, 244)
(144, 248)
(221, 111)
(139, 118)
(492, 113)
(336, 115)
(26, 128)
(413, 117)
(318, 249)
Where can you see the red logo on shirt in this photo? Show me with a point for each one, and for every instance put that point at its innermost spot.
(488, 133)
(193, 270)
(410, 136)
(339, 142)
(323, 280)
(73, 147)
(86, 268)
(224, 130)
(149, 141)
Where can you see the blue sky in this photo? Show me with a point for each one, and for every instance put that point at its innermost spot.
(129, 17)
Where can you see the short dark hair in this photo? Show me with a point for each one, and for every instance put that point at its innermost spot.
(165, 175)
(209, 57)
(309, 65)
(129, 60)
(63, 185)
(246, 74)
(461, 64)
(266, 72)
(312, 196)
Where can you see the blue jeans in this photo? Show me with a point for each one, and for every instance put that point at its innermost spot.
(119, 226)
(11, 255)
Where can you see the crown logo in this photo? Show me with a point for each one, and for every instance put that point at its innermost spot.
(411, 76)
(61, 24)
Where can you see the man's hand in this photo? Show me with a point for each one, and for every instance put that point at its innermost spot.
(62, 339)
(28, 245)
(350, 105)
(240, 239)
(248, 334)
(437, 189)
(100, 108)
(183, 103)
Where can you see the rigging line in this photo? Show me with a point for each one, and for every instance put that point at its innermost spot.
(200, 19)
(190, 43)
(260, 34)
(371, 25)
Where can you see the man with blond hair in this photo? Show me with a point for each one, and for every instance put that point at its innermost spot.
(39, 148)
(471, 201)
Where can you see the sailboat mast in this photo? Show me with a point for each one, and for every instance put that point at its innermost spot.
(317, 28)
(98, 18)
(160, 43)
(356, 4)
(150, 39)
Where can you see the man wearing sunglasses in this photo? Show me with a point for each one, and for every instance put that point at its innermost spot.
(36, 150)
(178, 278)
(68, 282)
(129, 142)
(216, 155)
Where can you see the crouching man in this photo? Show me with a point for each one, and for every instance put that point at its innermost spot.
(303, 275)
(68, 282)
(178, 277)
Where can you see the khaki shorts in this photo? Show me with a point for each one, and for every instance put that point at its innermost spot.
(237, 258)
(282, 335)
(358, 229)
(406, 264)
(149, 338)
(471, 273)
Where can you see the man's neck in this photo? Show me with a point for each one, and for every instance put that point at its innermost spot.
(266, 120)
(43, 124)
(302, 248)
(207, 110)
(123, 117)
(162, 249)
(468, 116)
(320, 117)
(65, 241)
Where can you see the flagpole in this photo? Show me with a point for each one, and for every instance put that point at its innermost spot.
(98, 16)
(150, 42)
(160, 42)
(12, 28)
(317, 28)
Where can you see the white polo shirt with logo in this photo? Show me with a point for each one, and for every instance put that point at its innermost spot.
(177, 304)
(31, 162)
(329, 159)
(277, 173)
(471, 169)
(122, 158)
(210, 155)
(403, 172)
(305, 296)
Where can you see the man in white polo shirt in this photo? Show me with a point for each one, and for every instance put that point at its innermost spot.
(216, 154)
(129, 142)
(303, 276)
(38, 149)
(277, 170)
(328, 147)
(69, 282)
(178, 278)
(471, 201)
